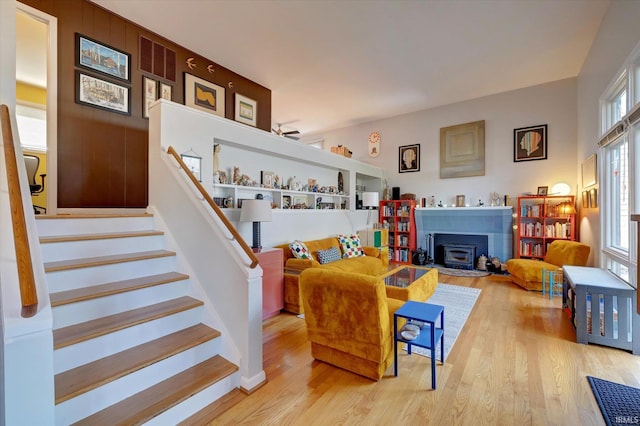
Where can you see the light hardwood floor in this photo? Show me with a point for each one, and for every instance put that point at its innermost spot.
(515, 362)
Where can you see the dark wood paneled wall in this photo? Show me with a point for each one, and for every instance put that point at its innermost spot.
(102, 156)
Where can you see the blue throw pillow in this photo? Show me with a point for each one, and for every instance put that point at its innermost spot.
(330, 255)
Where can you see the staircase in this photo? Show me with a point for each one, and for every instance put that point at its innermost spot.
(129, 344)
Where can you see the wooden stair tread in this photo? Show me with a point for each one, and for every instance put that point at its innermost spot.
(145, 405)
(73, 334)
(84, 378)
(91, 237)
(104, 260)
(94, 292)
(91, 216)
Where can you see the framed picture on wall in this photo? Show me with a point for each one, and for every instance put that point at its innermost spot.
(97, 56)
(409, 158)
(166, 91)
(193, 163)
(246, 110)
(150, 91)
(530, 143)
(203, 95)
(589, 176)
(102, 94)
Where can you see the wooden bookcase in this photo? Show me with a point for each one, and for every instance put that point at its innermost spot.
(541, 220)
(399, 216)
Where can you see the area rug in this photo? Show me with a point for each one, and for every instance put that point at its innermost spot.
(619, 404)
(458, 302)
(460, 272)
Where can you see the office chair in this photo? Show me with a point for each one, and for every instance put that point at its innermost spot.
(32, 163)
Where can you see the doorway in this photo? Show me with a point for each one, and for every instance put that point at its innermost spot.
(36, 96)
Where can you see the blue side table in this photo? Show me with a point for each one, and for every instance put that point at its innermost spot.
(429, 335)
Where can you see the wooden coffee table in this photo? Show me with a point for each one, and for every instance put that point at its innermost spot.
(410, 282)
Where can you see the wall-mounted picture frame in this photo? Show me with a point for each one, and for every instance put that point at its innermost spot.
(585, 199)
(593, 198)
(96, 56)
(530, 143)
(409, 158)
(165, 91)
(589, 171)
(246, 110)
(543, 190)
(193, 163)
(462, 150)
(204, 95)
(149, 94)
(102, 94)
(266, 179)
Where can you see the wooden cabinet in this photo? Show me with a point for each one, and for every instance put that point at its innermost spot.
(541, 220)
(272, 281)
(398, 217)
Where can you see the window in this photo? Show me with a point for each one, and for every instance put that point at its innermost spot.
(619, 160)
(32, 127)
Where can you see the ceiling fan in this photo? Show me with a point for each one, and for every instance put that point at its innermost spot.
(291, 134)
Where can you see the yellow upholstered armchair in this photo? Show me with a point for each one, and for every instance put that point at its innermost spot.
(349, 320)
(527, 273)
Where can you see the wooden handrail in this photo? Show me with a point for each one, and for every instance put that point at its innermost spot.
(216, 209)
(28, 293)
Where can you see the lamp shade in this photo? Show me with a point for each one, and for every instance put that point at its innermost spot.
(370, 199)
(255, 211)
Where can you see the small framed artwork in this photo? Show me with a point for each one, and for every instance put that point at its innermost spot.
(409, 158)
(150, 94)
(543, 190)
(530, 143)
(203, 95)
(193, 163)
(166, 91)
(585, 199)
(593, 198)
(299, 202)
(266, 179)
(97, 56)
(589, 172)
(246, 110)
(286, 201)
(102, 94)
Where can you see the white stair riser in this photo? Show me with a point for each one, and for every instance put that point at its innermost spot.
(85, 277)
(90, 350)
(197, 402)
(76, 226)
(75, 313)
(110, 393)
(52, 252)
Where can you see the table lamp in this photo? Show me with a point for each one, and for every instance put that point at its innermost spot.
(256, 211)
(370, 201)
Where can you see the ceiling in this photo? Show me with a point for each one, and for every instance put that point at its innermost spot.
(336, 63)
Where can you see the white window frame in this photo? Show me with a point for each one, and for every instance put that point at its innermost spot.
(618, 260)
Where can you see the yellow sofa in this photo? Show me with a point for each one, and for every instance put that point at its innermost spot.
(527, 273)
(349, 320)
(373, 263)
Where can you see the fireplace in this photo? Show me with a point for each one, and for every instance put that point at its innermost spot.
(461, 256)
(494, 224)
(470, 244)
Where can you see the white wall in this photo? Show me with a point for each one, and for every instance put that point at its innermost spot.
(553, 104)
(618, 35)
